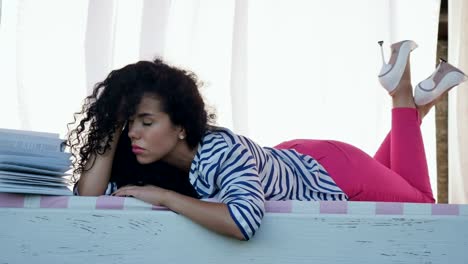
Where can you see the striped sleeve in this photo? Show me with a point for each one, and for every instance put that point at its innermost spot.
(241, 190)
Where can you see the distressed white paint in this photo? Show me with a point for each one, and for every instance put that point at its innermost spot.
(30, 235)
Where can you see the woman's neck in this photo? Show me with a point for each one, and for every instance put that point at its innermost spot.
(181, 157)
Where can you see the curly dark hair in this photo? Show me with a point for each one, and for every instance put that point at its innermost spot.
(116, 99)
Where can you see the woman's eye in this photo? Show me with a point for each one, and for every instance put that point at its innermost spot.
(147, 123)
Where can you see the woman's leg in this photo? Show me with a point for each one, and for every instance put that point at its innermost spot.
(383, 153)
(403, 149)
(399, 171)
(405, 144)
(403, 152)
(407, 155)
(360, 176)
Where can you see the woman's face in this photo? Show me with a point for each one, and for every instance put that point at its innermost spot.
(151, 132)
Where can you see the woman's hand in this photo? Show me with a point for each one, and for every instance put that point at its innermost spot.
(148, 193)
(95, 179)
(214, 216)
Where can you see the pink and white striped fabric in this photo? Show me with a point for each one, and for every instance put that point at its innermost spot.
(294, 207)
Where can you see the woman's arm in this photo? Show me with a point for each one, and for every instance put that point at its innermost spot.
(240, 192)
(214, 216)
(95, 179)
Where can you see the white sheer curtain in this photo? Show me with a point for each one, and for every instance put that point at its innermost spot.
(458, 104)
(42, 78)
(273, 69)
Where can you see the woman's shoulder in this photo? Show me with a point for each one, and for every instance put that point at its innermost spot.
(216, 143)
(212, 151)
(219, 135)
(220, 150)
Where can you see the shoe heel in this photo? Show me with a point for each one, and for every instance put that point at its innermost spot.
(391, 72)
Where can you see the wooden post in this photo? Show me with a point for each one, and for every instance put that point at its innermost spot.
(441, 109)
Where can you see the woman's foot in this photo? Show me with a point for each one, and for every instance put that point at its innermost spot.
(424, 109)
(428, 92)
(392, 72)
(402, 95)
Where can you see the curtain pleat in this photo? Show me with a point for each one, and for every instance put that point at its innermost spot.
(458, 104)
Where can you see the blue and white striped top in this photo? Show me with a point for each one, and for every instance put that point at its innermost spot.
(241, 174)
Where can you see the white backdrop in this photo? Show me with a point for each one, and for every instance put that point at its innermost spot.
(273, 70)
(458, 104)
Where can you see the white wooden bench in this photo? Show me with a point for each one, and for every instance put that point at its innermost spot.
(62, 229)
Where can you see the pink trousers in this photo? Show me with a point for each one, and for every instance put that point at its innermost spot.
(398, 171)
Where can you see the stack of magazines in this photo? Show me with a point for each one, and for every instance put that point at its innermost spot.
(33, 163)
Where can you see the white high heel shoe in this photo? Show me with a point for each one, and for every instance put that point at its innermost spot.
(444, 78)
(391, 72)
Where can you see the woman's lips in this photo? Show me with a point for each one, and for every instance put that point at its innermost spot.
(137, 150)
